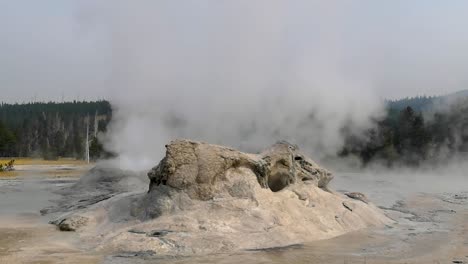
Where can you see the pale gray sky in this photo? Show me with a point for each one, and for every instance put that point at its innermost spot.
(55, 48)
(244, 73)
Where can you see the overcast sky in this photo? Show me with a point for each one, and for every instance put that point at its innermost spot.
(51, 50)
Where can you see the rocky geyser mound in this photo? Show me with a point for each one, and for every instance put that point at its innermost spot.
(205, 198)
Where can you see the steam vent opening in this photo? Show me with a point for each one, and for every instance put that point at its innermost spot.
(278, 181)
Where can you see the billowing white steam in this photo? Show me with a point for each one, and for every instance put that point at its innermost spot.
(239, 73)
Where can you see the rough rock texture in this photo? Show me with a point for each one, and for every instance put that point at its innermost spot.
(99, 184)
(287, 165)
(358, 196)
(72, 223)
(205, 198)
(201, 169)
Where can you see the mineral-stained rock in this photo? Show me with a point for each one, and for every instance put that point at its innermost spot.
(201, 169)
(287, 165)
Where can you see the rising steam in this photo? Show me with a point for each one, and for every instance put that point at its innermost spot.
(239, 73)
(248, 73)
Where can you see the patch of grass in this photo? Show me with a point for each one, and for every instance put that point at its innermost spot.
(36, 161)
(9, 174)
(45, 168)
(7, 166)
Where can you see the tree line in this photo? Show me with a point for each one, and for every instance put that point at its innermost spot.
(413, 130)
(51, 130)
(405, 136)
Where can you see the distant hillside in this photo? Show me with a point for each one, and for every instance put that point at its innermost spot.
(426, 103)
(51, 129)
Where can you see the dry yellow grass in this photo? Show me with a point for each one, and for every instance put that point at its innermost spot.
(35, 161)
(8, 174)
(80, 167)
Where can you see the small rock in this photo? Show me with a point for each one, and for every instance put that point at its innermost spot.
(136, 231)
(147, 253)
(357, 196)
(348, 206)
(301, 195)
(158, 233)
(275, 249)
(72, 223)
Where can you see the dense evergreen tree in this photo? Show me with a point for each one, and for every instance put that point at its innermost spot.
(7, 141)
(50, 130)
(404, 137)
(419, 103)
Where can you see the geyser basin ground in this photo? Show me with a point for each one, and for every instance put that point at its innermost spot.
(433, 229)
(205, 199)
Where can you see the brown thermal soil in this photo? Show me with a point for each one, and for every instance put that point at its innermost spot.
(24, 239)
(25, 235)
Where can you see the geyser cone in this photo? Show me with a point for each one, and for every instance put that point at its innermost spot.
(205, 198)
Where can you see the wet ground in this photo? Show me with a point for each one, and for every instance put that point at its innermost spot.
(431, 226)
(25, 235)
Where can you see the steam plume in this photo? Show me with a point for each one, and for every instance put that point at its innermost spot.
(242, 73)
